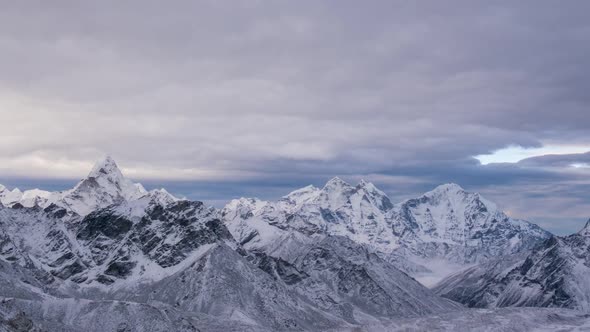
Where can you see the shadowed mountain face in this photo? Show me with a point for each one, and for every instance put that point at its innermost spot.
(108, 247)
(556, 273)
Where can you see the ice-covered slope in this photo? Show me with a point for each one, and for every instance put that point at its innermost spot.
(224, 284)
(447, 226)
(39, 240)
(556, 273)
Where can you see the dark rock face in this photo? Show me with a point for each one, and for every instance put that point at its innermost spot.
(278, 268)
(107, 244)
(56, 211)
(109, 225)
(19, 323)
(120, 269)
(166, 235)
(191, 223)
(17, 206)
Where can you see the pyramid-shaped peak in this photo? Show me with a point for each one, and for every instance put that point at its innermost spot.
(105, 166)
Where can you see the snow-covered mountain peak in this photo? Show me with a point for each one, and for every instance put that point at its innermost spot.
(301, 196)
(36, 193)
(335, 193)
(162, 197)
(336, 183)
(28, 198)
(106, 167)
(8, 197)
(460, 227)
(448, 190)
(450, 187)
(454, 196)
(104, 185)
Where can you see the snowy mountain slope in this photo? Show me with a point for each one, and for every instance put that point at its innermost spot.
(74, 315)
(358, 213)
(24, 282)
(224, 284)
(31, 237)
(70, 315)
(344, 278)
(44, 237)
(490, 320)
(180, 254)
(444, 229)
(144, 240)
(127, 262)
(460, 226)
(449, 228)
(556, 273)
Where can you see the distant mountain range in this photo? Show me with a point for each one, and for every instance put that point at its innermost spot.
(112, 256)
(442, 230)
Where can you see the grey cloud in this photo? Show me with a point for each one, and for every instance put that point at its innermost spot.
(268, 95)
(561, 161)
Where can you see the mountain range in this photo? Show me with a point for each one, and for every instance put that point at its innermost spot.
(445, 229)
(108, 255)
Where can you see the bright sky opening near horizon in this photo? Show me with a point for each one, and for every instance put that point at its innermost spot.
(215, 99)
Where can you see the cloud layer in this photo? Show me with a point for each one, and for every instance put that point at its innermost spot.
(261, 96)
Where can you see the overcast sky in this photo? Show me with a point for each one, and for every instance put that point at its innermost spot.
(221, 99)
